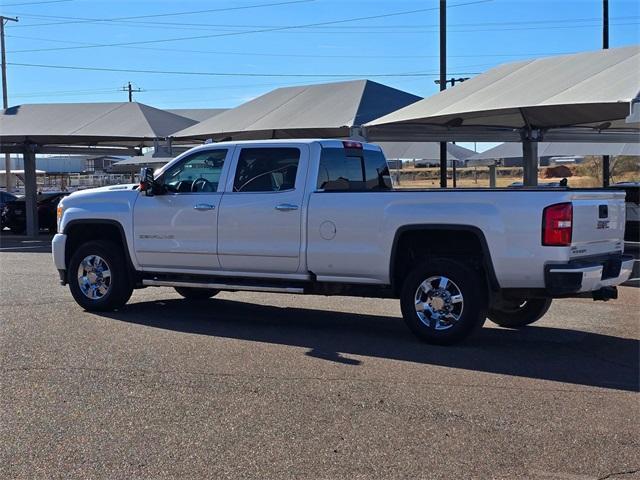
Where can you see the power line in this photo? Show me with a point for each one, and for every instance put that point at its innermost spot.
(191, 26)
(156, 15)
(236, 74)
(82, 45)
(299, 55)
(274, 29)
(34, 3)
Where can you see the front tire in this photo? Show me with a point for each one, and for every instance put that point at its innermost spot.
(519, 313)
(98, 276)
(197, 293)
(443, 301)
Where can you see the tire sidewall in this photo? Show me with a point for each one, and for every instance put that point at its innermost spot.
(472, 287)
(532, 311)
(120, 288)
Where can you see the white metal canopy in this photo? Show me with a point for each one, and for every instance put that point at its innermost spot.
(591, 89)
(36, 128)
(307, 111)
(127, 123)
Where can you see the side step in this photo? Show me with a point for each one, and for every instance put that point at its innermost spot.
(222, 286)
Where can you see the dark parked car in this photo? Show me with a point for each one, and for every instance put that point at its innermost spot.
(632, 227)
(5, 197)
(14, 213)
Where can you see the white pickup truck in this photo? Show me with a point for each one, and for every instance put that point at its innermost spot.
(321, 217)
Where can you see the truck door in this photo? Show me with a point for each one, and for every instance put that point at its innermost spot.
(178, 229)
(260, 218)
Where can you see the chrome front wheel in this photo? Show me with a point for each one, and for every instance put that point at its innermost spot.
(94, 277)
(98, 276)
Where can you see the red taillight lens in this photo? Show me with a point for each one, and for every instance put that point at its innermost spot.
(557, 225)
(352, 144)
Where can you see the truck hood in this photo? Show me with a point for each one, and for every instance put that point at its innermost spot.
(111, 193)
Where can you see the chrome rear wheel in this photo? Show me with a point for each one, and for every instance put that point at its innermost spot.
(443, 300)
(439, 302)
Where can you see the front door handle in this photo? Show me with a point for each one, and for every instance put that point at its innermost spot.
(286, 207)
(203, 206)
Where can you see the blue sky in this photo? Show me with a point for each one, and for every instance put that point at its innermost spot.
(482, 34)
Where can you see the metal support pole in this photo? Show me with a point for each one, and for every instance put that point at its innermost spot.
(530, 161)
(443, 85)
(5, 100)
(30, 190)
(605, 45)
(443, 165)
(493, 173)
(453, 173)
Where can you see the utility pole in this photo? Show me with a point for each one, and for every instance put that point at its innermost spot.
(605, 45)
(130, 89)
(453, 81)
(5, 98)
(443, 85)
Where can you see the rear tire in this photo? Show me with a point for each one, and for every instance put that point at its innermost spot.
(197, 293)
(443, 301)
(519, 313)
(98, 277)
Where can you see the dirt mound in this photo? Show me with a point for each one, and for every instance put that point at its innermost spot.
(560, 171)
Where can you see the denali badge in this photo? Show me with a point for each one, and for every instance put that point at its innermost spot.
(603, 224)
(156, 237)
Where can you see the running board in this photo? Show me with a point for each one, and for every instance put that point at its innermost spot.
(221, 286)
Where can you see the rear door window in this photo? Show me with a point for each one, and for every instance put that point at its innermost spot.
(266, 169)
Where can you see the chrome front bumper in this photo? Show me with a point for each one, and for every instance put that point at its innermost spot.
(58, 245)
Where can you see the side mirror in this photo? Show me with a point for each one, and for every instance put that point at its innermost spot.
(146, 181)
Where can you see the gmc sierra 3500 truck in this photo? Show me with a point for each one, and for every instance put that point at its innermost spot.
(321, 217)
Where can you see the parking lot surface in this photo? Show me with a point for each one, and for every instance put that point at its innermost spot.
(251, 385)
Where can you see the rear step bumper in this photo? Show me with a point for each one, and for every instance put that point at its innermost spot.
(582, 276)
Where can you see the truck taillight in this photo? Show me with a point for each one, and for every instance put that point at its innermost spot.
(557, 225)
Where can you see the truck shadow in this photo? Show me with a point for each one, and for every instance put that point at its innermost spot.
(556, 354)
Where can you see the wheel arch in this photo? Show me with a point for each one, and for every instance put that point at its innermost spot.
(83, 230)
(472, 236)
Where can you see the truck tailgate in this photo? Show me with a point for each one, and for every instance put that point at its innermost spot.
(598, 223)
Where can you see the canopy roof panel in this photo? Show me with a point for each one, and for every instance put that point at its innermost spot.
(323, 110)
(197, 114)
(127, 123)
(554, 92)
(423, 150)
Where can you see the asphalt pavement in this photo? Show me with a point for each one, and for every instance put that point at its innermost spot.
(250, 385)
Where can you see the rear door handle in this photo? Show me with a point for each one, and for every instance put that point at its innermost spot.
(203, 206)
(286, 207)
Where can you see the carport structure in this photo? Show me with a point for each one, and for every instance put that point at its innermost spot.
(513, 151)
(555, 149)
(583, 97)
(328, 110)
(79, 128)
(424, 151)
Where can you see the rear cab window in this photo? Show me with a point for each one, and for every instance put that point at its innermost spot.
(353, 169)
